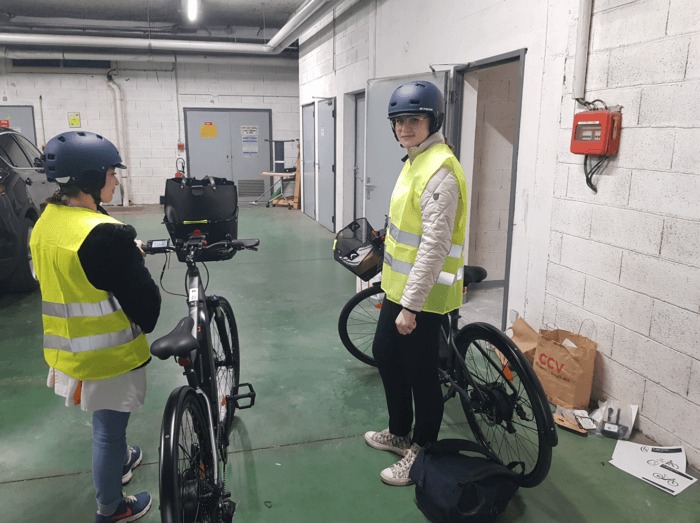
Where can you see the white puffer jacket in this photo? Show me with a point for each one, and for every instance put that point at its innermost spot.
(438, 205)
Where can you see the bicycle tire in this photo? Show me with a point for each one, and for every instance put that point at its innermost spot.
(188, 489)
(227, 356)
(515, 401)
(358, 323)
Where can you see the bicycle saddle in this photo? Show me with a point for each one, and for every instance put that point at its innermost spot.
(179, 342)
(473, 274)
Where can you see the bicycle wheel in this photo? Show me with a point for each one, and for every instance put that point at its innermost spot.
(188, 490)
(227, 357)
(358, 323)
(515, 417)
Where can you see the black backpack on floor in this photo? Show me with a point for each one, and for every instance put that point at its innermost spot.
(452, 487)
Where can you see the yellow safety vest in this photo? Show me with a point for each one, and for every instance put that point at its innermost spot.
(406, 229)
(86, 333)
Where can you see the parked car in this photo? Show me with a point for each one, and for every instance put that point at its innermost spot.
(23, 189)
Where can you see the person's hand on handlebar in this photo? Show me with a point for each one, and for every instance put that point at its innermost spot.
(140, 245)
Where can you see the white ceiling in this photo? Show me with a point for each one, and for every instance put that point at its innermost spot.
(214, 15)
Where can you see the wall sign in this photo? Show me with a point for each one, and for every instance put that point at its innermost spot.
(208, 130)
(74, 119)
(249, 137)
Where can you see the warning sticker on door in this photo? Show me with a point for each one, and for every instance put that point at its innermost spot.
(249, 137)
(208, 130)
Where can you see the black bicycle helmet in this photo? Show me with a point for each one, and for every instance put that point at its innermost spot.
(418, 97)
(80, 159)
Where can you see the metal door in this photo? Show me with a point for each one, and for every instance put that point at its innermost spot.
(232, 144)
(359, 155)
(309, 155)
(20, 118)
(326, 163)
(382, 151)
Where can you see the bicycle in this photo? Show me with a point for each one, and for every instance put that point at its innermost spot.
(502, 398)
(198, 416)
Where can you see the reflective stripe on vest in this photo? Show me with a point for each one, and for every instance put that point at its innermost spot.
(67, 310)
(95, 342)
(405, 232)
(445, 278)
(87, 335)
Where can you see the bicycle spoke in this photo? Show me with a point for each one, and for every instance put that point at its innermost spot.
(499, 404)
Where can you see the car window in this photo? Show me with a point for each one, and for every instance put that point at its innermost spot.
(12, 152)
(30, 151)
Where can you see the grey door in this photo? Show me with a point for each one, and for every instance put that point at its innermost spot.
(383, 153)
(232, 144)
(309, 165)
(326, 164)
(359, 169)
(20, 118)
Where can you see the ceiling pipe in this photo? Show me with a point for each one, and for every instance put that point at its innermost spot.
(308, 13)
(581, 57)
(267, 61)
(121, 140)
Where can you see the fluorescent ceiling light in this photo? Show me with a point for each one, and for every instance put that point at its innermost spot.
(192, 10)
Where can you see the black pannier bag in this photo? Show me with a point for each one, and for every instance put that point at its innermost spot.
(206, 207)
(360, 249)
(453, 487)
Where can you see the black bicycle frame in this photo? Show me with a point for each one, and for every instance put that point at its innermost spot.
(196, 301)
(456, 362)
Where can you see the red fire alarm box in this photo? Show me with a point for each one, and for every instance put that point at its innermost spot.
(596, 133)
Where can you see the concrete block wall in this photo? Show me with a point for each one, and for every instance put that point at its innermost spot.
(152, 97)
(335, 61)
(626, 257)
(493, 151)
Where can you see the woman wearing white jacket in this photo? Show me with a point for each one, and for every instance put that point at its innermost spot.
(422, 275)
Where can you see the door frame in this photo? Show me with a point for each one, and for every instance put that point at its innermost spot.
(303, 159)
(356, 97)
(458, 80)
(226, 110)
(334, 219)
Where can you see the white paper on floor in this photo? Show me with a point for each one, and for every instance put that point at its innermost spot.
(662, 467)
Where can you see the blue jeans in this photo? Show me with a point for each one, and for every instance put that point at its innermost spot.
(109, 454)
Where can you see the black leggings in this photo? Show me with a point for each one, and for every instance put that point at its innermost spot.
(408, 365)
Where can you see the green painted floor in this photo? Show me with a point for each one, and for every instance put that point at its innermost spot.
(298, 455)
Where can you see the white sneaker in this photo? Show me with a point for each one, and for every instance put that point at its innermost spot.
(385, 440)
(397, 474)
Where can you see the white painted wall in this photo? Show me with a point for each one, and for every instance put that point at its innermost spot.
(627, 257)
(152, 96)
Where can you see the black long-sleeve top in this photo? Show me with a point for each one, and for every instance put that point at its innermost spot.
(112, 262)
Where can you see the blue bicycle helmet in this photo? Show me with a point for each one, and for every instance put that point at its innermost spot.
(80, 159)
(419, 97)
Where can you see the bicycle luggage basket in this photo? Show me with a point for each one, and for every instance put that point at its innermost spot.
(360, 249)
(206, 207)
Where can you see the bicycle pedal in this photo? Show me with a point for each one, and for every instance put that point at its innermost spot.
(248, 395)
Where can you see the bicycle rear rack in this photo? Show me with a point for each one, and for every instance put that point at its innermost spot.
(248, 395)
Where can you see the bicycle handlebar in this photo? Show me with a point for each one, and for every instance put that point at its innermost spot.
(197, 243)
